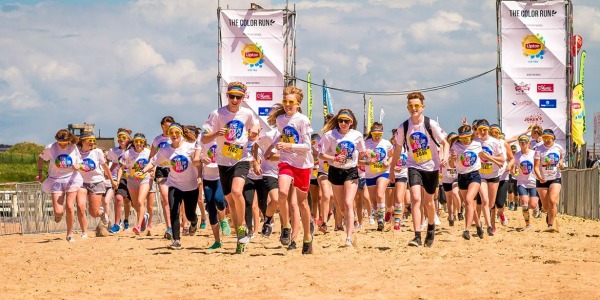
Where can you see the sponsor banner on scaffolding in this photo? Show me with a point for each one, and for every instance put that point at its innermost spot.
(533, 60)
(253, 52)
(597, 128)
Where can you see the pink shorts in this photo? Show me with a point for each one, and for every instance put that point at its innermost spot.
(301, 177)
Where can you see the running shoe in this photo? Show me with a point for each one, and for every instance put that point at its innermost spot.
(360, 227)
(550, 229)
(240, 248)
(285, 236)
(510, 206)
(537, 213)
(380, 225)
(292, 246)
(115, 228)
(307, 248)
(104, 217)
(101, 229)
(267, 229)
(250, 234)
(503, 219)
(437, 221)
(424, 225)
(126, 224)
(396, 226)
(388, 216)
(339, 228)
(480, 232)
(168, 233)
(215, 246)
(145, 222)
(176, 245)
(349, 242)
(193, 228)
(70, 239)
(466, 235)
(136, 230)
(490, 231)
(356, 224)
(329, 215)
(242, 235)
(185, 231)
(203, 224)
(528, 226)
(451, 222)
(225, 227)
(429, 237)
(416, 242)
(84, 235)
(371, 220)
(323, 228)
(460, 216)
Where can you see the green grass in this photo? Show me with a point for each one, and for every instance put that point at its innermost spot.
(19, 163)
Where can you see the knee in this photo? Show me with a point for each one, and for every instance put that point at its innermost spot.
(237, 194)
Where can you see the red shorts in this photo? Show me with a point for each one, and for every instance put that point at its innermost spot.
(301, 177)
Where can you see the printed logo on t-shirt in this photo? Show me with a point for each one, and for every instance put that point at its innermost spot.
(345, 148)
(526, 167)
(488, 150)
(402, 161)
(234, 130)
(63, 161)
(486, 166)
(551, 159)
(88, 165)
(162, 145)
(211, 153)
(419, 144)
(468, 159)
(289, 134)
(139, 164)
(179, 163)
(378, 154)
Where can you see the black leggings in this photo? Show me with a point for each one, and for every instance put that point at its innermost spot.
(190, 202)
(249, 189)
(214, 200)
(502, 194)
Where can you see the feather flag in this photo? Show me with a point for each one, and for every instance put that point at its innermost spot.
(327, 102)
(309, 99)
(370, 115)
(381, 114)
(577, 115)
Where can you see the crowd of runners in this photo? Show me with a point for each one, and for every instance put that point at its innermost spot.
(241, 175)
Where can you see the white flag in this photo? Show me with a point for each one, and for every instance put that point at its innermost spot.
(381, 114)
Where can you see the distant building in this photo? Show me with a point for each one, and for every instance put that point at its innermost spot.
(103, 143)
(4, 148)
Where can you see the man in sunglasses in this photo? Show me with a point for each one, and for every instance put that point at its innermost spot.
(232, 126)
(424, 139)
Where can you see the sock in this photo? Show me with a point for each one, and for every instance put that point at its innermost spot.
(430, 227)
(418, 234)
(526, 214)
(397, 213)
(268, 219)
(380, 212)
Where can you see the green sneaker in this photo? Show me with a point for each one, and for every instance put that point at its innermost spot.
(215, 246)
(225, 227)
(203, 224)
(242, 235)
(240, 248)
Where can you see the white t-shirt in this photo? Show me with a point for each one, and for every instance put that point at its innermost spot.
(549, 158)
(91, 163)
(183, 175)
(380, 152)
(231, 147)
(114, 156)
(269, 168)
(492, 147)
(323, 164)
(209, 171)
(504, 172)
(61, 160)
(251, 174)
(468, 157)
(296, 130)
(403, 173)
(524, 163)
(349, 144)
(422, 151)
(160, 142)
(133, 161)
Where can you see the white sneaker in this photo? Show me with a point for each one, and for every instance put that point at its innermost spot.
(348, 242)
(424, 225)
(84, 235)
(70, 239)
(436, 221)
(371, 220)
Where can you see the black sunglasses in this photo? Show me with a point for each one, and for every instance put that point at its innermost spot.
(345, 121)
(235, 97)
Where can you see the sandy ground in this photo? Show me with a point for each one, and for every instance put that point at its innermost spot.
(513, 264)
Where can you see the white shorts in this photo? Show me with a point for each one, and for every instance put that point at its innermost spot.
(63, 185)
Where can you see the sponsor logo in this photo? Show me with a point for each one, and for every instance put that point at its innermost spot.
(253, 56)
(522, 103)
(534, 119)
(545, 88)
(264, 96)
(522, 88)
(547, 103)
(263, 111)
(576, 106)
(533, 47)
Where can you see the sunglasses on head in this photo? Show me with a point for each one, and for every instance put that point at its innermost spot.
(234, 97)
(344, 121)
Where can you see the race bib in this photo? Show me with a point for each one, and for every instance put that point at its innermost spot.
(422, 155)
(232, 151)
(486, 168)
(549, 171)
(315, 172)
(379, 154)
(326, 166)
(451, 173)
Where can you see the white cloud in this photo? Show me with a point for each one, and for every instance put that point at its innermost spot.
(15, 91)
(586, 23)
(442, 22)
(401, 3)
(337, 5)
(137, 56)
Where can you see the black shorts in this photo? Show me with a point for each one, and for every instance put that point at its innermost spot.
(512, 186)
(314, 181)
(122, 189)
(501, 195)
(547, 184)
(491, 180)
(398, 180)
(270, 183)
(161, 173)
(226, 174)
(448, 186)
(339, 176)
(427, 179)
(465, 179)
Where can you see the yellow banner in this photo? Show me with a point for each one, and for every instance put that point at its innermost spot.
(370, 115)
(577, 115)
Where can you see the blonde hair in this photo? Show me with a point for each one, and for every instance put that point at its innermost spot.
(278, 109)
(333, 123)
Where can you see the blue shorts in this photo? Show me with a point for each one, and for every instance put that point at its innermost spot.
(465, 179)
(373, 181)
(523, 191)
(361, 184)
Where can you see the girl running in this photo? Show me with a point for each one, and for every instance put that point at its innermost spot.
(162, 172)
(450, 184)
(503, 186)
(400, 185)
(377, 169)
(549, 160)
(63, 180)
(342, 145)
(523, 170)
(120, 186)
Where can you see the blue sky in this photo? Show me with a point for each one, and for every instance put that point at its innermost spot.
(129, 63)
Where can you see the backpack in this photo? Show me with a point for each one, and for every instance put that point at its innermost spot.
(427, 128)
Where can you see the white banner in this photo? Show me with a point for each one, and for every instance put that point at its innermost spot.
(252, 51)
(597, 128)
(533, 60)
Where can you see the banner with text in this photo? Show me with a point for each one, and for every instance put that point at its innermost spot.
(533, 62)
(253, 52)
